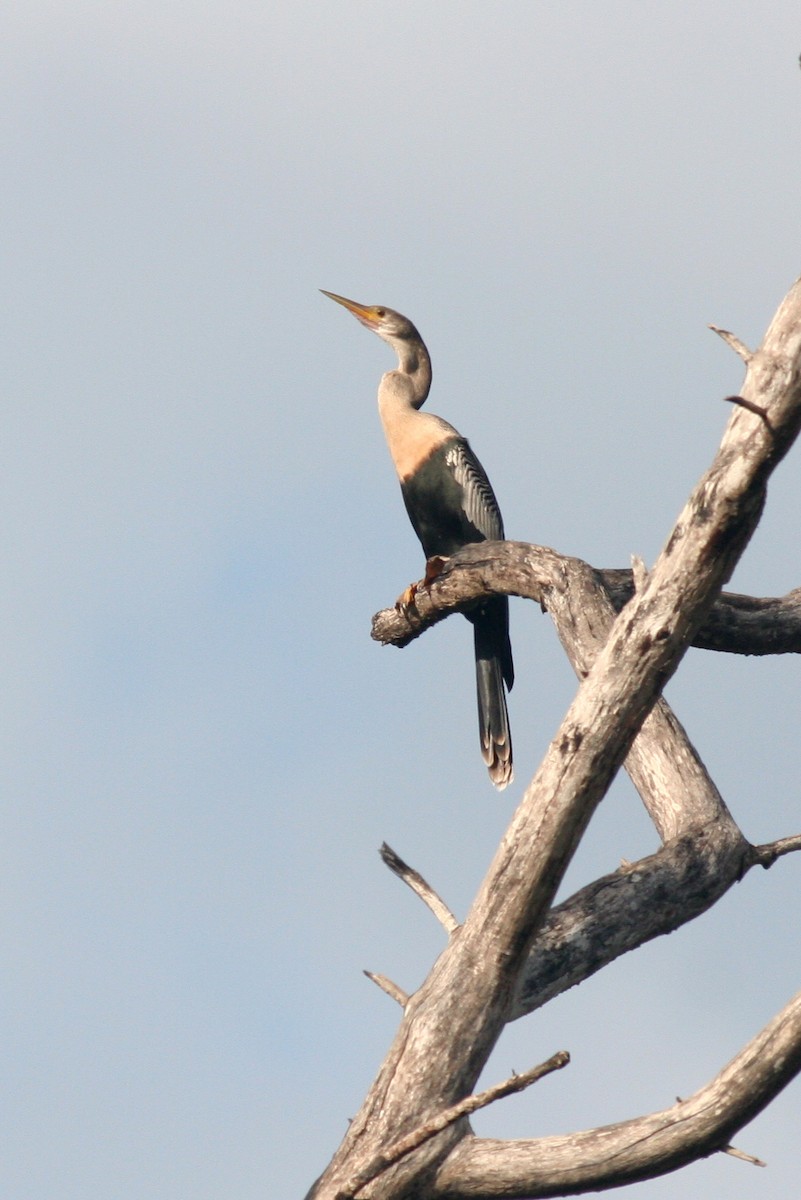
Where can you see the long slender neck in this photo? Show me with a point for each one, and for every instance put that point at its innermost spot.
(414, 362)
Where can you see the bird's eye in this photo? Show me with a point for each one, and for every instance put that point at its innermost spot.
(380, 312)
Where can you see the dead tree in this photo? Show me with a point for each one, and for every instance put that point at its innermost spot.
(625, 634)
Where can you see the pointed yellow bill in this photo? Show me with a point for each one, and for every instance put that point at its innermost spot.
(368, 314)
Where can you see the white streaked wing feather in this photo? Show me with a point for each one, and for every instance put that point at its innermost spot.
(480, 504)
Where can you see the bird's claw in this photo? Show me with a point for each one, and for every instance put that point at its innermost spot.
(405, 602)
(434, 567)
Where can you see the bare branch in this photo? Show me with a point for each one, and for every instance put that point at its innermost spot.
(663, 765)
(633, 905)
(509, 1087)
(415, 881)
(734, 342)
(750, 406)
(735, 624)
(639, 573)
(596, 1159)
(749, 1158)
(391, 989)
(767, 854)
(464, 1108)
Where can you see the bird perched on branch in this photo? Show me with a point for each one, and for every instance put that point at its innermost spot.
(450, 503)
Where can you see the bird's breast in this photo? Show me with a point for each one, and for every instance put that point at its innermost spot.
(413, 437)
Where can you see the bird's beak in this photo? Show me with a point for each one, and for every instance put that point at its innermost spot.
(366, 313)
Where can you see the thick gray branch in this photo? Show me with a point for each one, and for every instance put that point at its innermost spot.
(596, 1159)
(640, 901)
(635, 904)
(735, 624)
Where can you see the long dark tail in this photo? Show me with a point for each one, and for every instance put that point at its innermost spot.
(493, 668)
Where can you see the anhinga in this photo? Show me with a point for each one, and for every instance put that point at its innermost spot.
(450, 503)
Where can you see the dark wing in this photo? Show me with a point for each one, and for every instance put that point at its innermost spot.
(478, 499)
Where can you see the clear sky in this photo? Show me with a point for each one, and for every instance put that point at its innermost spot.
(202, 748)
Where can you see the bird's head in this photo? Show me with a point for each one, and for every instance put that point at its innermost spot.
(390, 325)
(398, 332)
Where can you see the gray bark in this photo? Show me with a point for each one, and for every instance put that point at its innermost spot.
(595, 1159)
(735, 624)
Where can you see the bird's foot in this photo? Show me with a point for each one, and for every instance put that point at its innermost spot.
(406, 601)
(434, 567)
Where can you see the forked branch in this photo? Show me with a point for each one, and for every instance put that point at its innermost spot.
(449, 1116)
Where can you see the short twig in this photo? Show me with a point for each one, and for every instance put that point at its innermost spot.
(448, 1116)
(735, 1153)
(734, 342)
(392, 989)
(419, 886)
(639, 573)
(767, 854)
(751, 406)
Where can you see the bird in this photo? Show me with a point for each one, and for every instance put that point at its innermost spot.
(451, 504)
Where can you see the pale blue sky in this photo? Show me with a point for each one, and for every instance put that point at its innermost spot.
(202, 748)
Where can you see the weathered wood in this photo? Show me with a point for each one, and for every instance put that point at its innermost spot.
(635, 904)
(607, 1157)
(451, 1024)
(420, 887)
(449, 1116)
(735, 624)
